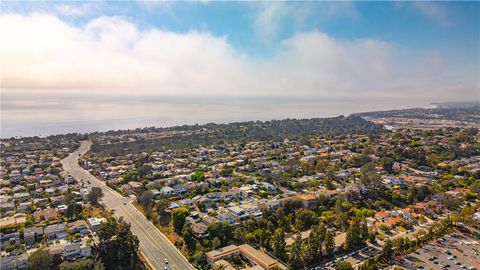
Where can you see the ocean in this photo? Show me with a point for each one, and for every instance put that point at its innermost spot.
(42, 115)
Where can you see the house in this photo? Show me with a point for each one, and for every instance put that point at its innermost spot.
(246, 191)
(13, 262)
(180, 190)
(21, 197)
(56, 232)
(254, 256)
(32, 235)
(269, 187)
(24, 207)
(228, 217)
(132, 187)
(239, 212)
(95, 223)
(7, 207)
(308, 200)
(50, 215)
(155, 193)
(79, 226)
(199, 229)
(210, 220)
(9, 239)
(187, 203)
(16, 219)
(74, 251)
(167, 191)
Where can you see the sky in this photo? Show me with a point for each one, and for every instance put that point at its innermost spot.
(322, 50)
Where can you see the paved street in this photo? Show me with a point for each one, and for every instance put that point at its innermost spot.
(153, 244)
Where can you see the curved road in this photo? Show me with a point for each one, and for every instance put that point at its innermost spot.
(153, 244)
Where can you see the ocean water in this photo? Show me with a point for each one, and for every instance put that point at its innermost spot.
(42, 115)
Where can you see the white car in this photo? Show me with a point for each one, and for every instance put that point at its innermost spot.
(165, 260)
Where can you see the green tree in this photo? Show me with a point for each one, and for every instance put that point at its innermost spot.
(305, 219)
(343, 266)
(216, 243)
(145, 200)
(39, 260)
(98, 265)
(81, 264)
(329, 243)
(95, 195)
(197, 176)
(188, 237)
(295, 259)
(387, 164)
(278, 243)
(73, 210)
(162, 206)
(387, 251)
(118, 246)
(221, 230)
(178, 218)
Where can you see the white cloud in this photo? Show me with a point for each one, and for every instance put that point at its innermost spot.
(435, 11)
(112, 55)
(74, 10)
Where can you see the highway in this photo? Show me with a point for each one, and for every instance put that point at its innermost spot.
(153, 244)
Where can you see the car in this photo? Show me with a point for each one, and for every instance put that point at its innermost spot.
(165, 268)
(165, 260)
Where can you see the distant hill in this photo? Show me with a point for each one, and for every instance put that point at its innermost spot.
(248, 131)
(448, 111)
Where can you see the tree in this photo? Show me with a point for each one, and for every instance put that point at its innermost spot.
(329, 243)
(73, 210)
(315, 241)
(343, 266)
(364, 231)
(39, 260)
(387, 164)
(328, 184)
(95, 195)
(295, 259)
(162, 206)
(220, 230)
(475, 186)
(354, 234)
(178, 218)
(216, 243)
(197, 176)
(118, 246)
(69, 198)
(278, 243)
(387, 250)
(305, 219)
(187, 236)
(77, 265)
(145, 200)
(98, 265)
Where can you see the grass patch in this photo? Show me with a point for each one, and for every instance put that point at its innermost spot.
(381, 236)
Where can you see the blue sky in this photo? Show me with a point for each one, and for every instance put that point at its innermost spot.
(442, 26)
(398, 36)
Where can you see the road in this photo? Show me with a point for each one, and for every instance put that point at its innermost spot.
(153, 244)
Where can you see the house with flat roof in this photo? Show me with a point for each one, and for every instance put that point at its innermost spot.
(254, 256)
(32, 235)
(56, 232)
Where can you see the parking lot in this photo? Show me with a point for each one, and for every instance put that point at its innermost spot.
(453, 251)
(354, 257)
